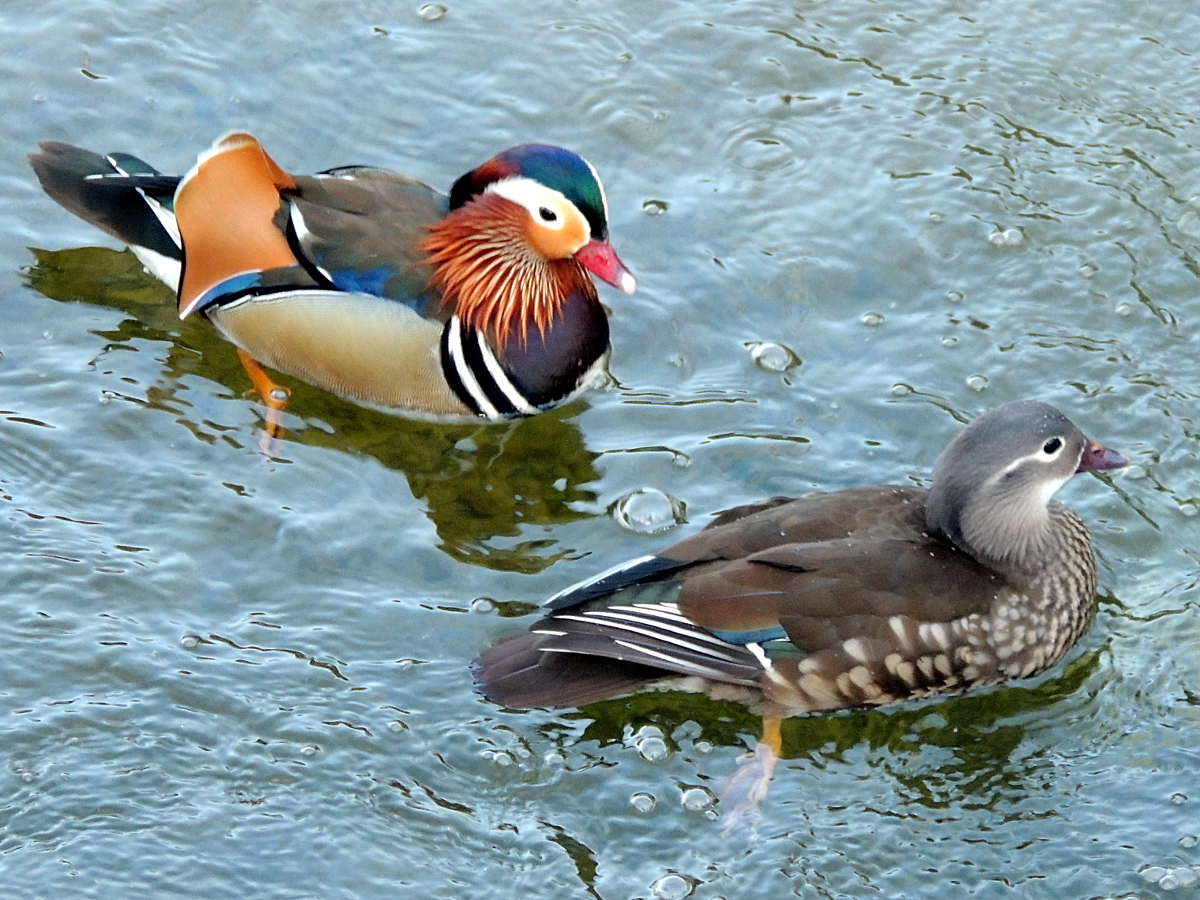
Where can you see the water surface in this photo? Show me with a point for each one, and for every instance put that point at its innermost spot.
(230, 675)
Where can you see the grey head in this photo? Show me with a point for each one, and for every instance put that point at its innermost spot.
(993, 483)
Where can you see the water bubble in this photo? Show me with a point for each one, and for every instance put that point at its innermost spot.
(695, 799)
(655, 207)
(677, 360)
(1188, 841)
(1123, 309)
(1151, 874)
(1179, 799)
(643, 802)
(936, 217)
(1168, 882)
(872, 319)
(1185, 877)
(702, 747)
(648, 510)
(900, 389)
(503, 759)
(310, 750)
(681, 460)
(431, 12)
(977, 383)
(189, 641)
(949, 340)
(1188, 509)
(483, 604)
(1189, 224)
(396, 725)
(653, 749)
(1087, 270)
(954, 296)
(773, 357)
(671, 887)
(650, 744)
(1007, 237)
(28, 777)
(554, 758)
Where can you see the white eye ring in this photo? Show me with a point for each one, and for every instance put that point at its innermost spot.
(1053, 447)
(547, 206)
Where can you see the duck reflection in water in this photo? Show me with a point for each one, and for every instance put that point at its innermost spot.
(484, 484)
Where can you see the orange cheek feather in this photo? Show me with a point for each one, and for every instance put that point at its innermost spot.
(562, 243)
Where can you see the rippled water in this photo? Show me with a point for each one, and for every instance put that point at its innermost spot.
(854, 224)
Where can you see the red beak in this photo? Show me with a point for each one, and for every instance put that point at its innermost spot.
(1097, 457)
(599, 258)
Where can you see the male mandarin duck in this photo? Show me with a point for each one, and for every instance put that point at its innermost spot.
(859, 597)
(367, 283)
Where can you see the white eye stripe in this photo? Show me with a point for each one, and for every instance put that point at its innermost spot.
(1038, 456)
(599, 184)
(534, 196)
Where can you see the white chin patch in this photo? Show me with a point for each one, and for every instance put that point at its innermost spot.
(1050, 488)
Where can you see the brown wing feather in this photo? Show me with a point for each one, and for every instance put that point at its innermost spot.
(515, 672)
(875, 511)
(725, 516)
(825, 593)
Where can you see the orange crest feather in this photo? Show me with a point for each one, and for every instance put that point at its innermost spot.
(492, 276)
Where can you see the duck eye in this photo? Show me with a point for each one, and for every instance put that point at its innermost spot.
(1052, 446)
(548, 215)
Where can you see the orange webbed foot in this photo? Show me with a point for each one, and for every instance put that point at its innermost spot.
(274, 398)
(742, 794)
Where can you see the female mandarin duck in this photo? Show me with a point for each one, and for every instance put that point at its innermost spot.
(368, 283)
(860, 597)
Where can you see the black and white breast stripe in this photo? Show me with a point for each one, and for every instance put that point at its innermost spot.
(653, 634)
(476, 376)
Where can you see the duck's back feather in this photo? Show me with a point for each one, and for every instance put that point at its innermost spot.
(359, 227)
